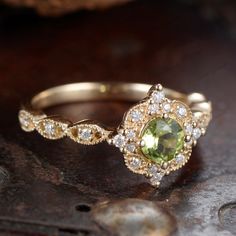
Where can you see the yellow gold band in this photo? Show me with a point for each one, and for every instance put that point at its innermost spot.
(92, 91)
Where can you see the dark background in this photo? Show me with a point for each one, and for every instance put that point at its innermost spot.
(56, 187)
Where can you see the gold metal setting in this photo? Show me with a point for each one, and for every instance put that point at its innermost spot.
(192, 112)
(87, 133)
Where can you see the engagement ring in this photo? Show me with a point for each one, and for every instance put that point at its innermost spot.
(156, 135)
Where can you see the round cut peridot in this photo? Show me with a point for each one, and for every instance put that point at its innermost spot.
(162, 139)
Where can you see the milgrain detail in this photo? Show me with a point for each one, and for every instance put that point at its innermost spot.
(56, 128)
(156, 106)
(88, 134)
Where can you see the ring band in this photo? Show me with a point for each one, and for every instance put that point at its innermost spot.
(156, 135)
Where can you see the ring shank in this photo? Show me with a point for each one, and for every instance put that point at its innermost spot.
(113, 91)
(92, 91)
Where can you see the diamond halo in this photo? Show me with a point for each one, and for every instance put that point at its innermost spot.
(138, 117)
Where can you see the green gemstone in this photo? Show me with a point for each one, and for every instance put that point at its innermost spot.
(163, 139)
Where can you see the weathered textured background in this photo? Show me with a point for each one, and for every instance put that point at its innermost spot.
(60, 7)
(62, 188)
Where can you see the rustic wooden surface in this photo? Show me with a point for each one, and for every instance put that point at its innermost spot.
(61, 7)
(62, 188)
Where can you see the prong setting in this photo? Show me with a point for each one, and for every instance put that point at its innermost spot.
(154, 106)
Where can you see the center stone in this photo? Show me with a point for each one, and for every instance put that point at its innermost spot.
(163, 139)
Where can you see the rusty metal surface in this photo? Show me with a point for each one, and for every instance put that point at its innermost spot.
(54, 187)
(134, 217)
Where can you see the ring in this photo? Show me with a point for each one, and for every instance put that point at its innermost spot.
(156, 135)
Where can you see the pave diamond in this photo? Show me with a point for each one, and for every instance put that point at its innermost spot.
(189, 129)
(179, 158)
(156, 178)
(130, 134)
(166, 107)
(158, 96)
(86, 134)
(152, 170)
(136, 116)
(130, 147)
(135, 163)
(182, 111)
(49, 128)
(197, 133)
(26, 121)
(153, 109)
(119, 140)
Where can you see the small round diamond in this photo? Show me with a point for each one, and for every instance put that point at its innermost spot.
(135, 163)
(130, 134)
(166, 107)
(156, 178)
(182, 111)
(152, 170)
(119, 140)
(49, 128)
(179, 158)
(86, 134)
(26, 121)
(153, 109)
(189, 129)
(130, 147)
(158, 96)
(136, 116)
(197, 133)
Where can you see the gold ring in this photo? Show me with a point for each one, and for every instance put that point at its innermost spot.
(156, 135)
